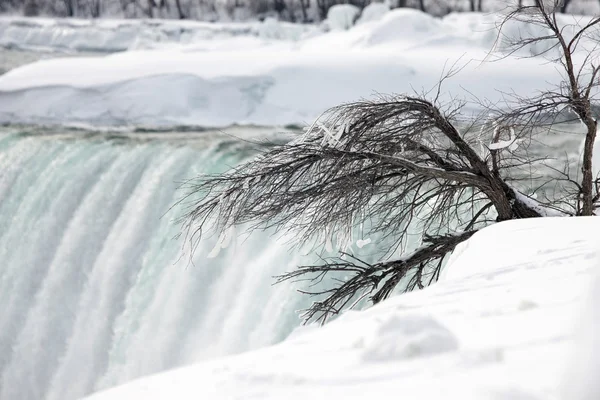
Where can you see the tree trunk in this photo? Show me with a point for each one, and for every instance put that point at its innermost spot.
(95, 8)
(179, 9)
(150, 10)
(322, 6)
(564, 5)
(70, 8)
(587, 182)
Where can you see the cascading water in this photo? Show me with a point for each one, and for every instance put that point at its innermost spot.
(92, 285)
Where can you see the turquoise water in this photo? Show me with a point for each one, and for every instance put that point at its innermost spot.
(94, 289)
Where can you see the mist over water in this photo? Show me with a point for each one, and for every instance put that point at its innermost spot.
(94, 289)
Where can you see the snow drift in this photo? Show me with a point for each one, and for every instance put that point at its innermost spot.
(500, 325)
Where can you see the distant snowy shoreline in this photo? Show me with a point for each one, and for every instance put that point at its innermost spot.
(113, 35)
(275, 74)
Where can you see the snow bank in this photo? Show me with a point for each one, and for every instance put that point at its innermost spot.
(407, 25)
(498, 326)
(255, 78)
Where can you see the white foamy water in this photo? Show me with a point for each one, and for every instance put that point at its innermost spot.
(92, 287)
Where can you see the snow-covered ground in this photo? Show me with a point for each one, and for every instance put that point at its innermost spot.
(507, 321)
(262, 73)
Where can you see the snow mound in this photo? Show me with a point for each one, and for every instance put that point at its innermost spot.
(271, 29)
(408, 336)
(405, 23)
(499, 326)
(342, 16)
(373, 12)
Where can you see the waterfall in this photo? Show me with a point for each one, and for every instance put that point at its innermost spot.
(93, 287)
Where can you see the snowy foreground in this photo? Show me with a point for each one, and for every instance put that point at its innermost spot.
(501, 324)
(186, 73)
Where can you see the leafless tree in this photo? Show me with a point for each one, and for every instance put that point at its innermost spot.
(400, 161)
(408, 166)
(304, 6)
(180, 13)
(564, 5)
(70, 6)
(572, 44)
(95, 8)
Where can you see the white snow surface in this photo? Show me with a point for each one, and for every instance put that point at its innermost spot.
(501, 324)
(373, 12)
(342, 16)
(187, 73)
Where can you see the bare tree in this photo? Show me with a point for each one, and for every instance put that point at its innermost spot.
(70, 6)
(95, 8)
(30, 9)
(405, 167)
(563, 5)
(304, 6)
(150, 8)
(572, 44)
(400, 161)
(180, 13)
(323, 7)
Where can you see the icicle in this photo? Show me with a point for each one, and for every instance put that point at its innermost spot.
(328, 241)
(340, 132)
(328, 136)
(362, 243)
(223, 242)
(229, 234)
(344, 238)
(217, 249)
